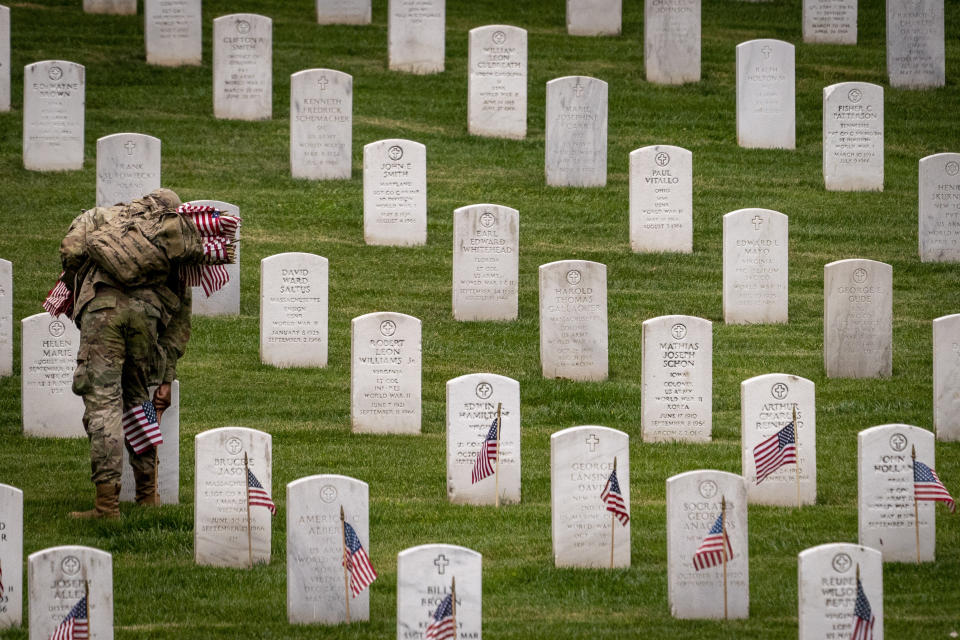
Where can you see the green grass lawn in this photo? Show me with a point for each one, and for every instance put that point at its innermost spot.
(160, 593)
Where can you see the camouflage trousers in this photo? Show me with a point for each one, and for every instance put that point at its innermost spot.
(115, 360)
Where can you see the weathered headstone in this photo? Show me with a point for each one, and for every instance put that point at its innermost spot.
(343, 12)
(581, 462)
(315, 542)
(830, 21)
(694, 504)
(424, 577)
(827, 590)
(58, 578)
(385, 373)
(497, 82)
(486, 262)
(755, 264)
(415, 34)
(858, 319)
(47, 362)
(766, 95)
(573, 320)
(321, 124)
(114, 7)
(226, 300)
(671, 41)
(6, 318)
(472, 402)
(53, 115)
(5, 58)
(220, 513)
(173, 32)
(853, 137)
(576, 134)
(243, 67)
(661, 199)
(293, 310)
(168, 456)
(916, 56)
(946, 377)
(885, 493)
(677, 379)
(128, 167)
(11, 556)
(594, 17)
(940, 208)
(395, 193)
(767, 403)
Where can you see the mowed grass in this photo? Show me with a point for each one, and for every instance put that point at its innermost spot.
(160, 593)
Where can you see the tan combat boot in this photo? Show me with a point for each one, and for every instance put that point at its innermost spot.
(106, 505)
(147, 487)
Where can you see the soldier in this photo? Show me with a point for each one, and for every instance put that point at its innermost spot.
(133, 310)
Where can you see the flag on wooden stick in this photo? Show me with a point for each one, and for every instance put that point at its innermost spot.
(357, 561)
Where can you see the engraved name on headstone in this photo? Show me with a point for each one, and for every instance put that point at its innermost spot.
(226, 300)
(243, 67)
(576, 133)
(173, 32)
(486, 262)
(53, 115)
(853, 137)
(321, 124)
(11, 556)
(946, 377)
(858, 319)
(293, 310)
(168, 456)
(940, 208)
(424, 578)
(766, 95)
(497, 82)
(827, 590)
(594, 17)
(114, 7)
(343, 12)
(573, 320)
(755, 265)
(128, 167)
(830, 21)
(671, 41)
(415, 35)
(6, 318)
(57, 579)
(48, 359)
(661, 199)
(395, 193)
(916, 56)
(4, 58)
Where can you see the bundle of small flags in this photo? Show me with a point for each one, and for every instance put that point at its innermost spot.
(59, 300)
(141, 428)
(219, 232)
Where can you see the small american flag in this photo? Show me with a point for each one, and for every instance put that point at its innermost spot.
(487, 455)
(59, 300)
(357, 561)
(715, 548)
(927, 486)
(256, 494)
(863, 625)
(75, 626)
(776, 451)
(613, 498)
(140, 427)
(441, 627)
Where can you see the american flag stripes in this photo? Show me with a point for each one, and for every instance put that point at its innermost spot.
(357, 561)
(441, 627)
(715, 548)
(219, 233)
(927, 486)
(257, 495)
(863, 625)
(59, 300)
(613, 498)
(487, 456)
(140, 427)
(776, 451)
(75, 626)
(210, 221)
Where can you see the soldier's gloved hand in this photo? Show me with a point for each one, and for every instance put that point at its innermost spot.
(161, 399)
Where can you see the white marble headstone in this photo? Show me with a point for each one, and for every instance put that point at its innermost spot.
(594, 17)
(858, 319)
(128, 167)
(946, 377)
(940, 208)
(225, 301)
(497, 82)
(53, 115)
(173, 31)
(693, 506)
(4, 58)
(11, 556)
(395, 193)
(853, 137)
(321, 124)
(48, 359)
(472, 402)
(415, 34)
(115, 7)
(671, 41)
(827, 590)
(677, 379)
(573, 320)
(243, 67)
(486, 262)
(755, 265)
(830, 21)
(220, 524)
(766, 406)
(424, 576)
(343, 12)
(6, 318)
(385, 373)
(168, 461)
(766, 95)
(315, 577)
(581, 461)
(576, 132)
(915, 44)
(56, 579)
(293, 310)
(661, 199)
(885, 502)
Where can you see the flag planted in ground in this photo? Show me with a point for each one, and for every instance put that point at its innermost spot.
(357, 561)
(257, 495)
(863, 616)
(927, 486)
(141, 428)
(487, 456)
(715, 548)
(613, 498)
(776, 451)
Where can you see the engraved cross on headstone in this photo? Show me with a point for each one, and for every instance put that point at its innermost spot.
(130, 146)
(441, 563)
(593, 441)
(578, 89)
(766, 51)
(322, 83)
(757, 221)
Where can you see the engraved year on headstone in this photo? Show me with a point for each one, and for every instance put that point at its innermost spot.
(486, 262)
(48, 360)
(497, 82)
(128, 167)
(293, 310)
(661, 199)
(940, 208)
(573, 320)
(594, 17)
(755, 265)
(226, 300)
(766, 94)
(114, 7)
(168, 463)
(671, 41)
(11, 556)
(243, 67)
(58, 578)
(424, 577)
(173, 32)
(343, 12)
(321, 124)
(946, 377)
(915, 44)
(853, 137)
(395, 193)
(830, 21)
(827, 590)
(53, 115)
(576, 134)
(4, 58)
(6, 318)
(415, 35)
(858, 319)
